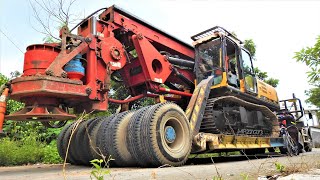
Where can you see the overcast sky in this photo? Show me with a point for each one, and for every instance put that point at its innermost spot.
(279, 28)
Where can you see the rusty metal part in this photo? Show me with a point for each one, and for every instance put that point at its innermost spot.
(54, 124)
(47, 86)
(40, 113)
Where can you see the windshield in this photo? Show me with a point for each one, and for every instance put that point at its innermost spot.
(209, 59)
(247, 66)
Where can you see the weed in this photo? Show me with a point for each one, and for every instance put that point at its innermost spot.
(279, 167)
(99, 171)
(217, 178)
(244, 176)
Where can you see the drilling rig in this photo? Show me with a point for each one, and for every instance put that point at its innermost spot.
(208, 98)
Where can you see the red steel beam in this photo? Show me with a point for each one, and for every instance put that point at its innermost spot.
(126, 20)
(127, 100)
(175, 92)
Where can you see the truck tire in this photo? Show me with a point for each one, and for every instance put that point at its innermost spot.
(291, 147)
(300, 143)
(75, 147)
(97, 136)
(114, 141)
(308, 146)
(82, 142)
(71, 158)
(133, 138)
(60, 142)
(165, 135)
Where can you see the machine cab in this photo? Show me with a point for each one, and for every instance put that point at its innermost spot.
(219, 54)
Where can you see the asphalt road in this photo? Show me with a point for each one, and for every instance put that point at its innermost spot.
(228, 169)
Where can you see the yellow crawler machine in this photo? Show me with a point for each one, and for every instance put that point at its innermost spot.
(236, 109)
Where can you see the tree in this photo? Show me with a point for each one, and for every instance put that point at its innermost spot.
(314, 96)
(311, 57)
(52, 15)
(251, 47)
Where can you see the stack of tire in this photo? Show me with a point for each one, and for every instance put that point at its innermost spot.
(149, 137)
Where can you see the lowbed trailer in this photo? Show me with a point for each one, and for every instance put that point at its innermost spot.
(207, 96)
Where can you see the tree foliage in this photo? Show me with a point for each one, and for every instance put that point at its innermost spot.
(314, 96)
(311, 57)
(251, 47)
(272, 81)
(264, 76)
(120, 91)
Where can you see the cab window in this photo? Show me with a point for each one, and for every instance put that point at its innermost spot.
(249, 78)
(209, 61)
(247, 65)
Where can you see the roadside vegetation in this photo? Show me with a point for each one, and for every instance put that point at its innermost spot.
(29, 142)
(27, 151)
(310, 56)
(26, 142)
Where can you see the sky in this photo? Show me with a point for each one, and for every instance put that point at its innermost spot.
(278, 27)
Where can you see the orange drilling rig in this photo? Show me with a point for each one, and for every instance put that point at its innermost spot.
(208, 98)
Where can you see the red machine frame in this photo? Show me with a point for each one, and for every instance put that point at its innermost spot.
(105, 46)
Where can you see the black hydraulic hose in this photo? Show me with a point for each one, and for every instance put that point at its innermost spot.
(180, 62)
(87, 18)
(183, 78)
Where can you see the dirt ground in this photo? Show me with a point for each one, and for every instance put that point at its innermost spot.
(252, 169)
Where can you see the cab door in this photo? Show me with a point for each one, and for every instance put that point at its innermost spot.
(209, 60)
(249, 79)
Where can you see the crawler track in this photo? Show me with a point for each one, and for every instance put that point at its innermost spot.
(211, 123)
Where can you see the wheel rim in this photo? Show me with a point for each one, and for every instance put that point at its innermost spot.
(170, 134)
(173, 136)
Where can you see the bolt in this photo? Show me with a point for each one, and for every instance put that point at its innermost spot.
(115, 53)
(49, 72)
(64, 74)
(87, 39)
(140, 37)
(88, 91)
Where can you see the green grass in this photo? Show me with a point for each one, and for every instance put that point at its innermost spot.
(27, 151)
(51, 155)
